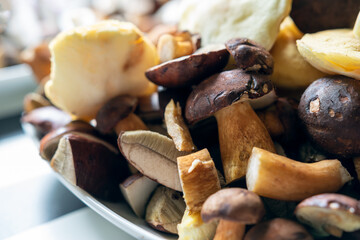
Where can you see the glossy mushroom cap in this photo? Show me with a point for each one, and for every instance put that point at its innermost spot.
(278, 229)
(330, 212)
(222, 90)
(330, 111)
(233, 204)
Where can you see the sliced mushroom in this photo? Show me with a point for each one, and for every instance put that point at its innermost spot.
(274, 176)
(330, 110)
(136, 190)
(153, 154)
(177, 128)
(114, 111)
(330, 213)
(165, 210)
(226, 96)
(131, 123)
(234, 207)
(278, 229)
(90, 163)
(199, 179)
(189, 70)
(50, 141)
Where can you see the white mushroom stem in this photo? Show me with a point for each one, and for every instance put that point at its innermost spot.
(228, 230)
(240, 130)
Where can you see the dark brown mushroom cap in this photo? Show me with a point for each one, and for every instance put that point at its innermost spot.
(250, 56)
(317, 15)
(113, 111)
(50, 141)
(233, 204)
(278, 229)
(222, 90)
(189, 70)
(330, 209)
(330, 111)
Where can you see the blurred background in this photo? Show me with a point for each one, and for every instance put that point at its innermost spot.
(33, 203)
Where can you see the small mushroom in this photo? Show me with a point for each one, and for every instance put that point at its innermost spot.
(136, 190)
(274, 176)
(234, 207)
(330, 110)
(191, 69)
(50, 141)
(278, 229)
(330, 213)
(113, 111)
(226, 96)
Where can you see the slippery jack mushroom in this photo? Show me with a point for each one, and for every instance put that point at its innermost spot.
(330, 214)
(226, 96)
(278, 228)
(274, 176)
(235, 207)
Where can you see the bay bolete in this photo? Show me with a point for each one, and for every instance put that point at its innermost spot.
(330, 111)
(330, 213)
(235, 207)
(226, 96)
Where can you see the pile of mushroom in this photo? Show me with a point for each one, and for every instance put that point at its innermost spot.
(245, 131)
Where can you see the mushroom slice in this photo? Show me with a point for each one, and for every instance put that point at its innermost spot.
(136, 190)
(153, 154)
(274, 176)
(131, 123)
(114, 111)
(278, 228)
(50, 141)
(90, 163)
(234, 207)
(330, 110)
(330, 213)
(165, 210)
(177, 128)
(199, 179)
(189, 70)
(226, 96)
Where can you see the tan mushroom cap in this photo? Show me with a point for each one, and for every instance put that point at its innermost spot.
(233, 204)
(330, 212)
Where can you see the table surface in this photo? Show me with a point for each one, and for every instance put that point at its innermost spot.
(34, 204)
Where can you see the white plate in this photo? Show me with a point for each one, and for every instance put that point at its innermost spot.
(118, 213)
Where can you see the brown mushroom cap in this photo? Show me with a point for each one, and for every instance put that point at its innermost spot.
(189, 70)
(224, 89)
(278, 229)
(309, 15)
(233, 204)
(113, 111)
(330, 210)
(330, 110)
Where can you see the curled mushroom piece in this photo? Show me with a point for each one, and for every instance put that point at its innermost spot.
(234, 207)
(278, 228)
(274, 176)
(330, 213)
(226, 96)
(330, 110)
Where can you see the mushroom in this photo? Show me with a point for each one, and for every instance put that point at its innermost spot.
(330, 213)
(50, 141)
(330, 110)
(191, 69)
(226, 96)
(278, 229)
(234, 207)
(136, 190)
(274, 176)
(34, 100)
(165, 210)
(91, 164)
